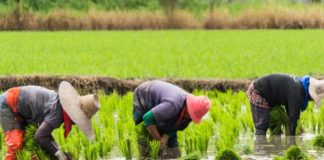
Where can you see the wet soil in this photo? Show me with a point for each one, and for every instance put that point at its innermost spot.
(86, 84)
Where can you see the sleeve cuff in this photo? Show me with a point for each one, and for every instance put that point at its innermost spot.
(148, 119)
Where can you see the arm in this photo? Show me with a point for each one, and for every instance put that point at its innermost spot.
(293, 114)
(150, 124)
(44, 138)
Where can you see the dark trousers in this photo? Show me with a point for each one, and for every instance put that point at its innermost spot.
(261, 119)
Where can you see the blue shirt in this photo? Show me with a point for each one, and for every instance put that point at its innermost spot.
(305, 82)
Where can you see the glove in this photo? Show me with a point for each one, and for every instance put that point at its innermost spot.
(60, 155)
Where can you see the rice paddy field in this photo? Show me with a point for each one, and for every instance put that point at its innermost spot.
(185, 53)
(228, 125)
(231, 54)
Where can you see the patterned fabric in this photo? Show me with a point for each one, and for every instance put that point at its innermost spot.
(255, 98)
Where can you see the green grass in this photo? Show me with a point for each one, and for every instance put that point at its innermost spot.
(185, 54)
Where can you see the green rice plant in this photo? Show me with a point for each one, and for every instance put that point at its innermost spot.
(23, 155)
(1, 138)
(203, 141)
(197, 137)
(214, 45)
(191, 156)
(228, 133)
(319, 141)
(295, 153)
(125, 147)
(227, 154)
(70, 148)
(278, 158)
(31, 145)
(190, 144)
(106, 142)
(278, 120)
(90, 152)
(154, 149)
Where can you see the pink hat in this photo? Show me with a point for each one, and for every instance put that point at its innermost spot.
(197, 106)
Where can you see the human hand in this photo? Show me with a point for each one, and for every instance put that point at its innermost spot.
(164, 141)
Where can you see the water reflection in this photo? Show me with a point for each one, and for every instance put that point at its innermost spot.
(268, 147)
(274, 145)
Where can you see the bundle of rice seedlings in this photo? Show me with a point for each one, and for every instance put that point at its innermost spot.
(30, 145)
(154, 149)
(227, 154)
(278, 120)
(319, 141)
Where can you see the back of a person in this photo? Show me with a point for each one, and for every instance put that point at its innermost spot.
(36, 102)
(277, 87)
(159, 91)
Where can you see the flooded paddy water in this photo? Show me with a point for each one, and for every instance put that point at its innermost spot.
(228, 125)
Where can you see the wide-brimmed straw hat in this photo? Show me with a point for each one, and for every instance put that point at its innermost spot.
(197, 106)
(79, 108)
(316, 91)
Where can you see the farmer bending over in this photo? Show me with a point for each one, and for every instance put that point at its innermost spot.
(281, 89)
(165, 109)
(21, 106)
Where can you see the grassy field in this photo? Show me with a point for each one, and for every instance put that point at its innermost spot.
(186, 54)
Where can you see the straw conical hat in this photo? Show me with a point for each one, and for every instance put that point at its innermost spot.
(79, 108)
(316, 90)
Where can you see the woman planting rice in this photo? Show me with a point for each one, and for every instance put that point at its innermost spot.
(280, 89)
(165, 108)
(21, 106)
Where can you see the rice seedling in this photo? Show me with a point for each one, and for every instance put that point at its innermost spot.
(31, 145)
(1, 138)
(154, 149)
(90, 152)
(227, 154)
(191, 156)
(197, 137)
(106, 143)
(278, 120)
(295, 153)
(229, 117)
(125, 147)
(278, 158)
(23, 155)
(228, 133)
(318, 141)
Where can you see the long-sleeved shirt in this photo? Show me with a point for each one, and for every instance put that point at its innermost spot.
(286, 90)
(40, 106)
(164, 100)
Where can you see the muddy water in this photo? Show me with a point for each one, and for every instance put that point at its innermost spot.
(266, 148)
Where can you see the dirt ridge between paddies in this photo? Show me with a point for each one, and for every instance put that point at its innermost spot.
(87, 84)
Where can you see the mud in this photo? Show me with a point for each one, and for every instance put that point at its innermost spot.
(86, 84)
